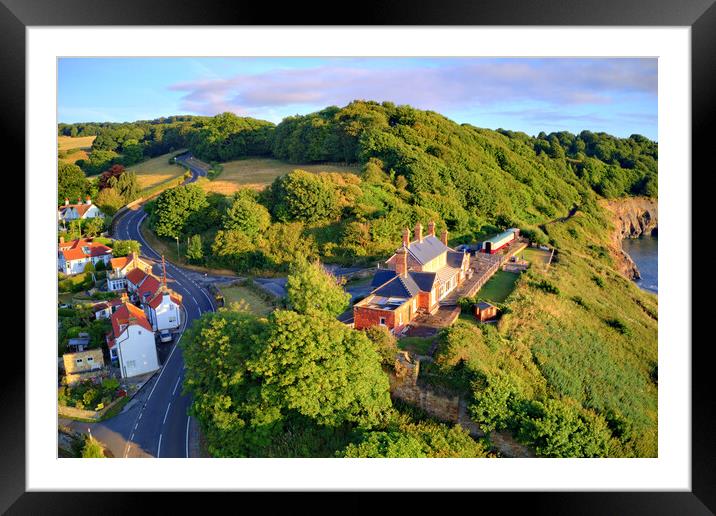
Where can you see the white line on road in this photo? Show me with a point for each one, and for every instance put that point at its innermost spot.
(159, 448)
(187, 437)
(164, 367)
(167, 412)
(131, 436)
(177, 385)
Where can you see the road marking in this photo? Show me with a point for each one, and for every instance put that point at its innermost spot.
(131, 436)
(177, 385)
(159, 448)
(167, 412)
(187, 437)
(163, 367)
(140, 415)
(136, 425)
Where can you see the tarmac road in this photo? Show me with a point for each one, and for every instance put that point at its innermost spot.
(155, 423)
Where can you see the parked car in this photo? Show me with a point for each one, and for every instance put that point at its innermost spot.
(165, 336)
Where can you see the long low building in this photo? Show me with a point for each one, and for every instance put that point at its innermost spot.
(494, 244)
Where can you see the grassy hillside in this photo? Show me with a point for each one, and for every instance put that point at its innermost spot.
(72, 149)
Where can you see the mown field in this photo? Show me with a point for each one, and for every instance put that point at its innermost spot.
(245, 300)
(256, 173)
(73, 149)
(155, 171)
(498, 287)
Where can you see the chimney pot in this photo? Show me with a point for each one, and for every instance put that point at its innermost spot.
(401, 262)
(419, 232)
(67, 201)
(406, 237)
(443, 237)
(431, 228)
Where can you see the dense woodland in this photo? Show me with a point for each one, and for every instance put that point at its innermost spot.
(570, 370)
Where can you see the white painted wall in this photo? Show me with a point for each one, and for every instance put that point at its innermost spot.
(137, 351)
(167, 316)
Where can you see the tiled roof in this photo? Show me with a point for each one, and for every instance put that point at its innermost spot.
(136, 276)
(120, 263)
(129, 314)
(399, 286)
(157, 300)
(424, 280)
(454, 258)
(75, 250)
(381, 276)
(425, 251)
(149, 286)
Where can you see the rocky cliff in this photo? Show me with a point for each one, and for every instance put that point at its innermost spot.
(632, 217)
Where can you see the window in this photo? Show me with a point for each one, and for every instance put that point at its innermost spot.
(90, 359)
(79, 360)
(382, 321)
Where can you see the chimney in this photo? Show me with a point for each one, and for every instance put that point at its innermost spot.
(406, 237)
(124, 297)
(431, 228)
(67, 201)
(443, 237)
(79, 200)
(401, 262)
(88, 200)
(132, 256)
(62, 240)
(419, 232)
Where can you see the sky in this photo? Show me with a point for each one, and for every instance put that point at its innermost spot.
(617, 96)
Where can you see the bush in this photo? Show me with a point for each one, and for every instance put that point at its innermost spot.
(618, 325)
(546, 286)
(599, 281)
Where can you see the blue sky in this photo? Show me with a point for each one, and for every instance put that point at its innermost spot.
(618, 96)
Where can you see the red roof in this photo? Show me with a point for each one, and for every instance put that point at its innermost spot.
(80, 208)
(136, 276)
(129, 314)
(120, 263)
(157, 300)
(149, 286)
(79, 249)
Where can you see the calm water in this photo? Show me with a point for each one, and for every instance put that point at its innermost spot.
(644, 252)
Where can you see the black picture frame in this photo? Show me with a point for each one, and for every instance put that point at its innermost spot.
(700, 15)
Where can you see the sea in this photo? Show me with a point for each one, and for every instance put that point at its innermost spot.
(644, 252)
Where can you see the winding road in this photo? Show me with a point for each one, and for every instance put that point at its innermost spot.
(155, 423)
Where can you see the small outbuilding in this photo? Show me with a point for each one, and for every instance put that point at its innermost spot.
(484, 311)
(83, 365)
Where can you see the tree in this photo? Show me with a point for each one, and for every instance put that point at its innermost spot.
(92, 449)
(385, 344)
(71, 183)
(93, 227)
(317, 366)
(109, 200)
(173, 208)
(246, 215)
(311, 289)
(300, 195)
(125, 247)
(195, 251)
(128, 186)
(115, 171)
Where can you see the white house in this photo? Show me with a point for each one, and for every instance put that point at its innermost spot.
(81, 210)
(131, 342)
(105, 309)
(121, 267)
(73, 256)
(163, 310)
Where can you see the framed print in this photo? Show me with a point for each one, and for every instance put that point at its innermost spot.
(379, 255)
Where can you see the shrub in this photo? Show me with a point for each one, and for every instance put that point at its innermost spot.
(599, 281)
(546, 286)
(579, 301)
(618, 325)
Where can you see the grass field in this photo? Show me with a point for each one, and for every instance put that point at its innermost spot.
(535, 256)
(498, 287)
(81, 142)
(256, 173)
(155, 171)
(76, 148)
(419, 345)
(246, 299)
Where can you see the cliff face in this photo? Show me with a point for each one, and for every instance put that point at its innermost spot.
(632, 217)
